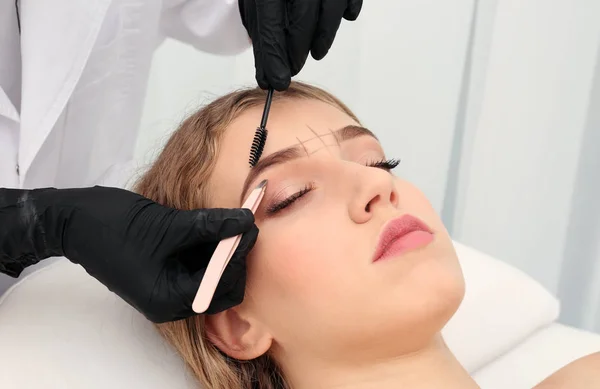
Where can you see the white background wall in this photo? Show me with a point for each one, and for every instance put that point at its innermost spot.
(493, 107)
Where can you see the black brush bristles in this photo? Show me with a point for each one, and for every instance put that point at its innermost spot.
(258, 144)
(260, 137)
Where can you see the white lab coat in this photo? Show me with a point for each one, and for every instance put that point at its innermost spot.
(85, 66)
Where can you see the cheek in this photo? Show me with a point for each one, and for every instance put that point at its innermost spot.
(287, 259)
(438, 279)
(410, 194)
(295, 263)
(413, 200)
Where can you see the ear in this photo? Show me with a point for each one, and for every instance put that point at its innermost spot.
(238, 337)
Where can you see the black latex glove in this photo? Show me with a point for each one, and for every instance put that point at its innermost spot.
(283, 32)
(151, 256)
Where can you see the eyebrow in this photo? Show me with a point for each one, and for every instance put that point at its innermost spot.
(297, 151)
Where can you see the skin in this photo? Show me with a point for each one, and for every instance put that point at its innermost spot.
(315, 300)
(583, 373)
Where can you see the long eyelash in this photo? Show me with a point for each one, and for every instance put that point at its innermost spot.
(385, 164)
(290, 200)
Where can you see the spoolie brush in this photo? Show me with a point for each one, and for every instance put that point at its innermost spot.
(260, 137)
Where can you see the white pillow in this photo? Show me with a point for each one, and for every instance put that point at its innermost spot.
(501, 308)
(59, 328)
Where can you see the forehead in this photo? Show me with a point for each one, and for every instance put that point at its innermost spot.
(291, 122)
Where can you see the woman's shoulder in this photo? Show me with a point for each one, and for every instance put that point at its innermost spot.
(584, 373)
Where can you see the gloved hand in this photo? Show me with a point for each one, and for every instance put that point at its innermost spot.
(151, 256)
(284, 31)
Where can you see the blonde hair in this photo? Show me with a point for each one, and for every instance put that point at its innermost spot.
(178, 179)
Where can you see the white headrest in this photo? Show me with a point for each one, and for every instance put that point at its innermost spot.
(501, 308)
(60, 328)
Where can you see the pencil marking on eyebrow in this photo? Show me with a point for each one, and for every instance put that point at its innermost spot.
(318, 136)
(337, 139)
(343, 133)
(320, 148)
(303, 146)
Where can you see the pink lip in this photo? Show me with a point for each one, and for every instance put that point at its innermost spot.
(401, 235)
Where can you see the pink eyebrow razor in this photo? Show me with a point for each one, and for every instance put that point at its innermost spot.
(222, 256)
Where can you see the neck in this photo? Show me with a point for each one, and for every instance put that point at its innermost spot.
(432, 367)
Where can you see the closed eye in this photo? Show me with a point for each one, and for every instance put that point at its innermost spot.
(273, 209)
(385, 164)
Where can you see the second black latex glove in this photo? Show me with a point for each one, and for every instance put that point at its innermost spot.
(152, 256)
(283, 32)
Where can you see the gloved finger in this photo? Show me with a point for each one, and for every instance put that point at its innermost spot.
(232, 286)
(261, 77)
(179, 289)
(250, 20)
(329, 23)
(303, 19)
(248, 13)
(353, 9)
(210, 225)
(160, 297)
(270, 48)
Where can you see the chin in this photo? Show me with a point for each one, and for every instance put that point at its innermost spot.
(428, 297)
(408, 331)
(443, 284)
(407, 317)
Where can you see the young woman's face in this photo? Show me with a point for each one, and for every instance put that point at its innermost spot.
(312, 284)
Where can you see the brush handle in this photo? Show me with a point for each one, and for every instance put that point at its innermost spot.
(265, 115)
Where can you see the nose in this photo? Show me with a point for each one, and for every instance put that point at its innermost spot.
(375, 192)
